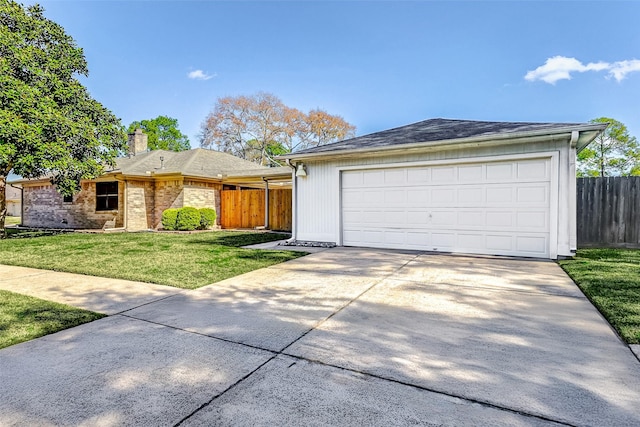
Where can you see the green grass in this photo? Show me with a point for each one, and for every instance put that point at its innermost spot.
(23, 318)
(610, 278)
(181, 260)
(12, 220)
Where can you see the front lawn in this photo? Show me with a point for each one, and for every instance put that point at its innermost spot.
(12, 220)
(181, 260)
(24, 318)
(610, 278)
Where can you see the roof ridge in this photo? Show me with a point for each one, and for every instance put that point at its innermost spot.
(192, 154)
(137, 159)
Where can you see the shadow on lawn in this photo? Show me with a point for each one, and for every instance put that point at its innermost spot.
(236, 238)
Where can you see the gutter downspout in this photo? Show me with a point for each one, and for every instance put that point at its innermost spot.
(294, 202)
(266, 203)
(573, 210)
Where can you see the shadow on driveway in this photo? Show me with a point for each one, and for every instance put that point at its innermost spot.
(344, 336)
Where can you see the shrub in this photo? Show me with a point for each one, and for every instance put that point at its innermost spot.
(188, 219)
(207, 218)
(169, 219)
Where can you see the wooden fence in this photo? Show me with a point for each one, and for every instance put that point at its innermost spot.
(609, 212)
(245, 209)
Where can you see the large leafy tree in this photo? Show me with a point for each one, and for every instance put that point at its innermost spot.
(163, 134)
(613, 153)
(49, 124)
(261, 126)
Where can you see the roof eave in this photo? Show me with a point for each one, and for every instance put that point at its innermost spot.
(486, 140)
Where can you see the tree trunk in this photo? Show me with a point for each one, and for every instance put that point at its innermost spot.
(3, 205)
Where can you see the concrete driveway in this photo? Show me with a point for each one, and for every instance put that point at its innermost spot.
(341, 337)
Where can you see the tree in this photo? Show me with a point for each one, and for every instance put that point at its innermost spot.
(325, 128)
(613, 153)
(261, 126)
(49, 124)
(163, 134)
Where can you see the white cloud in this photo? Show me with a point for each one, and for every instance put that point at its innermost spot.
(200, 75)
(561, 67)
(620, 69)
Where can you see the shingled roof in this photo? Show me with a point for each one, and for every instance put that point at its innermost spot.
(440, 130)
(196, 162)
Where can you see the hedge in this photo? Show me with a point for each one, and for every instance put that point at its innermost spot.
(207, 218)
(169, 219)
(188, 219)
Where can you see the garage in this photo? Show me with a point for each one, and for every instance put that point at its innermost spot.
(443, 185)
(502, 208)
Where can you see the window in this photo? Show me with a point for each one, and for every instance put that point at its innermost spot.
(106, 196)
(67, 199)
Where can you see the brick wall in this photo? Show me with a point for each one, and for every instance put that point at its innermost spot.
(168, 194)
(140, 205)
(203, 195)
(146, 200)
(44, 207)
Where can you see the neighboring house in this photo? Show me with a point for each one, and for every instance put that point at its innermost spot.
(440, 185)
(134, 194)
(13, 198)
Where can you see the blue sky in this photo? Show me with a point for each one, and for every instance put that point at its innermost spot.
(377, 64)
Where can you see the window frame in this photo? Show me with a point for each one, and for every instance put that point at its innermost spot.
(105, 196)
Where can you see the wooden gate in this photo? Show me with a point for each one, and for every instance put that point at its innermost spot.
(245, 209)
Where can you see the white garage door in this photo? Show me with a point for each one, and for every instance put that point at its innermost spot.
(499, 208)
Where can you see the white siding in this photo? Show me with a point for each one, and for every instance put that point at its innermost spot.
(318, 194)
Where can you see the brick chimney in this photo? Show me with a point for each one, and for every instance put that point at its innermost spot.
(137, 142)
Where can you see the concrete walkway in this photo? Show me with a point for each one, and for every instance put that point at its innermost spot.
(340, 337)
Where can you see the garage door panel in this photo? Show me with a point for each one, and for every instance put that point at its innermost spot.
(373, 217)
(353, 179)
(443, 241)
(351, 216)
(537, 221)
(418, 197)
(443, 196)
(475, 218)
(395, 196)
(500, 219)
(419, 239)
(418, 176)
(537, 169)
(417, 218)
(399, 218)
(471, 195)
(351, 199)
(373, 177)
(531, 244)
(495, 207)
(443, 175)
(501, 243)
(395, 176)
(533, 194)
(442, 218)
(372, 236)
(394, 237)
(470, 174)
(500, 172)
(497, 195)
